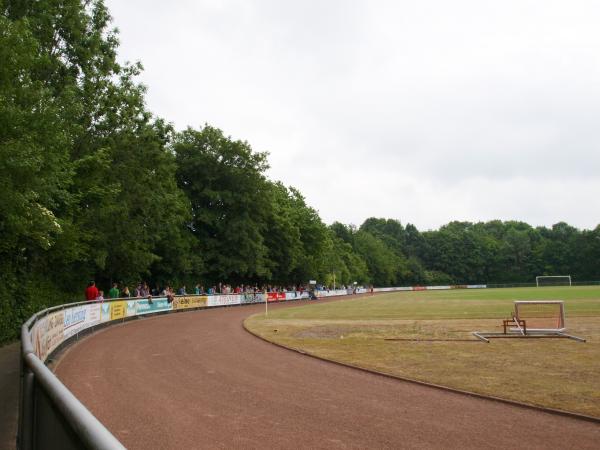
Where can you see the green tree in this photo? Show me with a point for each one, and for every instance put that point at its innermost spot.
(382, 263)
(229, 196)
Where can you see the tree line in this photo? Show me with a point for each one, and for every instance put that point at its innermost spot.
(94, 186)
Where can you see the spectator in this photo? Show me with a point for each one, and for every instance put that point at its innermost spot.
(126, 292)
(91, 292)
(114, 291)
(100, 296)
(181, 290)
(170, 295)
(197, 289)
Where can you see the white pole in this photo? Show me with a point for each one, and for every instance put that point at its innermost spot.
(266, 305)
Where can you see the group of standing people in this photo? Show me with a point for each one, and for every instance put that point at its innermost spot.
(142, 290)
(93, 293)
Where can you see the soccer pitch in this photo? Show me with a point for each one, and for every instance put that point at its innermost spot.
(426, 336)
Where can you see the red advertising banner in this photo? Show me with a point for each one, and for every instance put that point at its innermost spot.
(275, 296)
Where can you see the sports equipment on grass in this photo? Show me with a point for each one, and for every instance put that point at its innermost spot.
(546, 316)
(553, 280)
(537, 318)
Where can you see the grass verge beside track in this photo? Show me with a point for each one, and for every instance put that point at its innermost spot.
(434, 342)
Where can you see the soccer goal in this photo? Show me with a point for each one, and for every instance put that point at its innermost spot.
(537, 318)
(553, 280)
(542, 316)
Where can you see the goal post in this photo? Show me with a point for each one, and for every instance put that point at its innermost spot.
(532, 319)
(553, 280)
(541, 316)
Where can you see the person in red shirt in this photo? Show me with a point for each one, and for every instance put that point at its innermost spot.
(91, 292)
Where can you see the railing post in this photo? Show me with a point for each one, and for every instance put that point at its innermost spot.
(25, 432)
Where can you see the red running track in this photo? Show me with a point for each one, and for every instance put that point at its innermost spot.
(199, 380)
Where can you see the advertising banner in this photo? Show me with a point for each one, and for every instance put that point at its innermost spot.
(104, 312)
(477, 286)
(37, 331)
(331, 293)
(190, 302)
(157, 304)
(393, 289)
(437, 288)
(74, 320)
(224, 299)
(49, 334)
(296, 295)
(259, 297)
(275, 296)
(130, 308)
(93, 315)
(118, 310)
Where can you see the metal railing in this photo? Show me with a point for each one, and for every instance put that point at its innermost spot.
(50, 416)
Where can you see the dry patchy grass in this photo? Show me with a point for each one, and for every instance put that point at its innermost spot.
(555, 373)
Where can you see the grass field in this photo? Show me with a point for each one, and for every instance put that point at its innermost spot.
(434, 342)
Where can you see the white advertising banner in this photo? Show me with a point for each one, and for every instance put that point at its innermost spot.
(74, 320)
(296, 295)
(331, 293)
(131, 308)
(224, 299)
(93, 315)
(48, 334)
(393, 289)
(253, 298)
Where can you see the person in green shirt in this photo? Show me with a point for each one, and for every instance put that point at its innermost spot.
(114, 291)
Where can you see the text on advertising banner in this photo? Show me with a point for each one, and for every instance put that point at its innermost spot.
(158, 304)
(190, 302)
(275, 296)
(74, 320)
(117, 310)
(49, 334)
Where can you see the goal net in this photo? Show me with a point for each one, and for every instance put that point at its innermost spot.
(553, 280)
(542, 315)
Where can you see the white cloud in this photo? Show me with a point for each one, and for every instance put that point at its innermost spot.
(424, 111)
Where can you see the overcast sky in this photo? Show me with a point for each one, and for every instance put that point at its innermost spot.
(422, 111)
